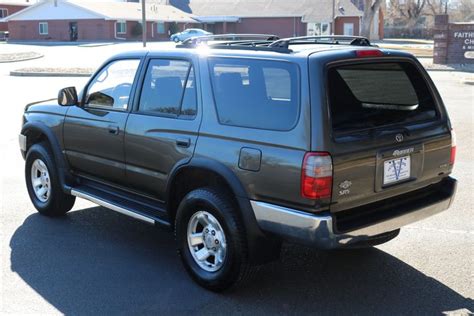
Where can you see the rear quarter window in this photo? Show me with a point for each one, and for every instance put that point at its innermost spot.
(370, 95)
(259, 94)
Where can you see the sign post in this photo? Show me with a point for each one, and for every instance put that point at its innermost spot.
(144, 22)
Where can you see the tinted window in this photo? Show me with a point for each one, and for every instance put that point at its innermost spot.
(256, 93)
(169, 89)
(112, 86)
(364, 96)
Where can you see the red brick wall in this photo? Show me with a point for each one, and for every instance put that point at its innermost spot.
(339, 30)
(283, 27)
(11, 9)
(88, 30)
(58, 30)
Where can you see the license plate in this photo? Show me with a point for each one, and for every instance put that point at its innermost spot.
(396, 170)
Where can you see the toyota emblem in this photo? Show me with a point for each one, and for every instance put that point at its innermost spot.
(399, 138)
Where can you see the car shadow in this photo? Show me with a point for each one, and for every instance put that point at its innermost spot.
(95, 261)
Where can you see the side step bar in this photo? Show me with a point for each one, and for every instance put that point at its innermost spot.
(117, 208)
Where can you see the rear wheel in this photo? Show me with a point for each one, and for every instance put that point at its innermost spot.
(211, 239)
(43, 183)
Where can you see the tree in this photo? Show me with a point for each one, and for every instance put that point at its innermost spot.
(409, 11)
(437, 6)
(463, 12)
(371, 7)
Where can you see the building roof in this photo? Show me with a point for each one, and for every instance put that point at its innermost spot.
(308, 10)
(133, 11)
(15, 2)
(47, 10)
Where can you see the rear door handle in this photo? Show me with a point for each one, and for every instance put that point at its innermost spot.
(113, 129)
(183, 142)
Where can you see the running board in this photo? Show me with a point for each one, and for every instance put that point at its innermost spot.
(148, 218)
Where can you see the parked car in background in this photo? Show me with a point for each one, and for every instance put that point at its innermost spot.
(188, 33)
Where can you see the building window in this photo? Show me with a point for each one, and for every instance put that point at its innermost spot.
(43, 28)
(318, 29)
(3, 13)
(160, 27)
(121, 27)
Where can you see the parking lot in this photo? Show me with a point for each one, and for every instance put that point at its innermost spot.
(95, 261)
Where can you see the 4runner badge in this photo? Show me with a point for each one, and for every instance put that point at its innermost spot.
(345, 185)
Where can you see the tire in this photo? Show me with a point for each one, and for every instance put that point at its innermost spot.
(211, 205)
(54, 202)
(176, 39)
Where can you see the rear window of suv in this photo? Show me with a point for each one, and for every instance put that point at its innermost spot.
(253, 93)
(365, 96)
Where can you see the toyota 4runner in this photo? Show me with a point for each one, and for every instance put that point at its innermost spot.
(239, 144)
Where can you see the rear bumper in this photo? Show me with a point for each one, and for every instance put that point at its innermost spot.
(320, 230)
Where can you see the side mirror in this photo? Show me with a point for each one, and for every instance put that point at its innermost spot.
(67, 96)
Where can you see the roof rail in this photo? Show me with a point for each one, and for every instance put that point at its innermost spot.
(228, 37)
(324, 39)
(259, 42)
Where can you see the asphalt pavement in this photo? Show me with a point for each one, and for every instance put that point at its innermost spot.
(95, 261)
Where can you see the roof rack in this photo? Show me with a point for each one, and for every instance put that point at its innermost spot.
(259, 42)
(193, 41)
(324, 39)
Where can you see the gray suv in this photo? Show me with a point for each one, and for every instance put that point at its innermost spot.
(239, 145)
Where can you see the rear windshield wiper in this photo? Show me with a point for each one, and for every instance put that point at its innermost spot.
(389, 130)
(396, 107)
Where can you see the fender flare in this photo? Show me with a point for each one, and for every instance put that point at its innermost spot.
(258, 242)
(62, 165)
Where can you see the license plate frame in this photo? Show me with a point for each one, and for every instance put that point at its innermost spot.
(396, 170)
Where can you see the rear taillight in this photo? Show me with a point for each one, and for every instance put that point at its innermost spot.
(369, 53)
(453, 147)
(316, 176)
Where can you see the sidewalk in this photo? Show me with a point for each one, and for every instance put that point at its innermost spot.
(16, 57)
(52, 72)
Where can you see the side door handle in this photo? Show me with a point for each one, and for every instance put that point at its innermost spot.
(183, 142)
(114, 129)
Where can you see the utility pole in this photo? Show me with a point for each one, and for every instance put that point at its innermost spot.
(333, 24)
(144, 22)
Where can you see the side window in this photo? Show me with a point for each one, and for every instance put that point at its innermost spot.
(112, 86)
(169, 89)
(260, 94)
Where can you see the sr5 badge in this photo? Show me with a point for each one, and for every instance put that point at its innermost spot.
(345, 187)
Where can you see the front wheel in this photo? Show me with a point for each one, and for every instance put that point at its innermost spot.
(43, 184)
(176, 39)
(211, 240)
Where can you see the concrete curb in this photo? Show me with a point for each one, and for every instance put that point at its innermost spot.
(450, 70)
(46, 74)
(21, 59)
(92, 45)
(468, 81)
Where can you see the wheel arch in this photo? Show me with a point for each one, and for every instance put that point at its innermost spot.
(37, 132)
(201, 172)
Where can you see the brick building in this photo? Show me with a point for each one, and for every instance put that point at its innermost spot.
(56, 20)
(8, 8)
(281, 17)
(61, 20)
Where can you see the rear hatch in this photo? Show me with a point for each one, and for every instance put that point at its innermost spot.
(388, 131)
